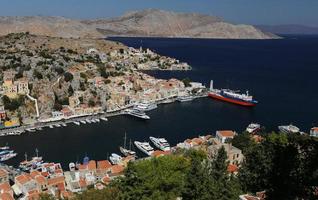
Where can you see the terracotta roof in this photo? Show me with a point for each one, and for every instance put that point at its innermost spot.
(92, 165)
(45, 174)
(67, 194)
(40, 179)
(61, 186)
(35, 173)
(226, 133)
(22, 179)
(103, 164)
(116, 169)
(3, 172)
(56, 180)
(58, 171)
(82, 167)
(197, 141)
(106, 180)
(6, 196)
(315, 128)
(5, 187)
(34, 195)
(82, 183)
(158, 153)
(232, 168)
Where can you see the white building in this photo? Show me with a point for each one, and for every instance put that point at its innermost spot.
(224, 135)
(314, 132)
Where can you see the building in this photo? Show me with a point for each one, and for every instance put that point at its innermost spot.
(13, 88)
(314, 132)
(225, 135)
(4, 176)
(6, 193)
(2, 113)
(234, 155)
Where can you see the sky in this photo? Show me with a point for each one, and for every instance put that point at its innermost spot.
(269, 12)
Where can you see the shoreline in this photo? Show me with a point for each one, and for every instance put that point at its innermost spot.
(38, 126)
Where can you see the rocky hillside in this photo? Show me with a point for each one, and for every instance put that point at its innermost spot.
(147, 23)
(48, 26)
(158, 23)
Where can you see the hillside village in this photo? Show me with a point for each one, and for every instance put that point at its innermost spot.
(43, 78)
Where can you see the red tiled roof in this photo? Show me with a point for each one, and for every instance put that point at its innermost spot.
(45, 174)
(92, 165)
(315, 129)
(232, 168)
(40, 179)
(82, 183)
(6, 196)
(226, 133)
(158, 153)
(35, 173)
(56, 180)
(106, 180)
(103, 164)
(116, 169)
(22, 179)
(5, 187)
(3, 172)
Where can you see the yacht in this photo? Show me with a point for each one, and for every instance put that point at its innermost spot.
(77, 123)
(289, 129)
(253, 128)
(4, 152)
(57, 125)
(144, 147)
(137, 113)
(160, 143)
(83, 122)
(39, 128)
(185, 98)
(145, 106)
(97, 120)
(51, 126)
(31, 129)
(115, 158)
(88, 121)
(64, 124)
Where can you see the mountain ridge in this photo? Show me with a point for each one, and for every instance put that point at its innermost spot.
(145, 23)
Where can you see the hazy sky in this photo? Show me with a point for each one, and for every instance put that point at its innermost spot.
(237, 11)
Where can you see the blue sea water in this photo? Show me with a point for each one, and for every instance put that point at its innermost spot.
(281, 74)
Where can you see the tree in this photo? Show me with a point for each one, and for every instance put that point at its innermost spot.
(68, 76)
(91, 103)
(70, 90)
(186, 82)
(243, 141)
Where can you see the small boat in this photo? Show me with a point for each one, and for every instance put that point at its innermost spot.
(7, 156)
(253, 128)
(5, 147)
(145, 106)
(88, 121)
(104, 119)
(64, 124)
(185, 98)
(94, 121)
(4, 152)
(57, 125)
(39, 128)
(115, 158)
(76, 123)
(289, 129)
(83, 122)
(97, 120)
(51, 126)
(137, 113)
(160, 143)
(31, 129)
(144, 147)
(72, 166)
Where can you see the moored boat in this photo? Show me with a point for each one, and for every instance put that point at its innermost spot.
(145, 106)
(137, 113)
(115, 158)
(289, 129)
(125, 151)
(253, 128)
(231, 96)
(185, 98)
(160, 143)
(144, 147)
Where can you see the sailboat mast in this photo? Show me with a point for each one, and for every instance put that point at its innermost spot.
(125, 141)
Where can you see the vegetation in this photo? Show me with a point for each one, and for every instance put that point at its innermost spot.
(12, 104)
(186, 82)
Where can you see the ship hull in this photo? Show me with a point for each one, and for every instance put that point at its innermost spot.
(233, 101)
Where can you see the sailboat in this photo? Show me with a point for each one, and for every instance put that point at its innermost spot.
(127, 152)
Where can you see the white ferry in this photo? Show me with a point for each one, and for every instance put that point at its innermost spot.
(253, 127)
(145, 106)
(185, 98)
(115, 159)
(289, 129)
(160, 143)
(144, 147)
(137, 113)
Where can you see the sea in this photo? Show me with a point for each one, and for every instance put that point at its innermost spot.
(281, 74)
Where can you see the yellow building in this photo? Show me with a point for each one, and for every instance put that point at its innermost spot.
(12, 89)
